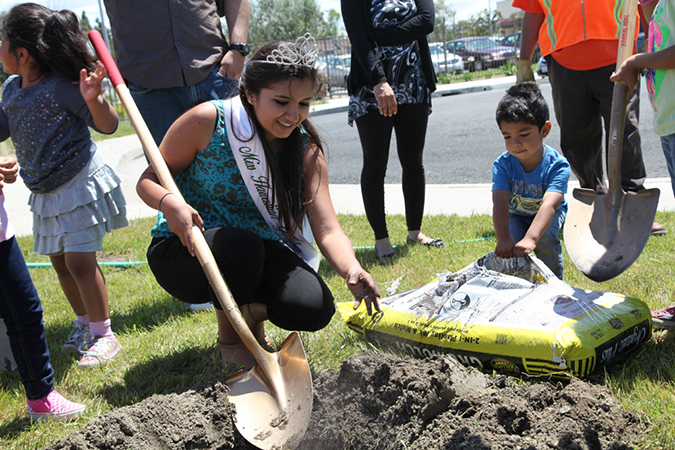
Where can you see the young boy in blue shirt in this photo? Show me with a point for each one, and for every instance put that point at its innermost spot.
(529, 181)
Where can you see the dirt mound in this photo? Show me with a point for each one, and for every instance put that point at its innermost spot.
(380, 402)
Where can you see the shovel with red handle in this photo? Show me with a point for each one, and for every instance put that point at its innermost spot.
(274, 399)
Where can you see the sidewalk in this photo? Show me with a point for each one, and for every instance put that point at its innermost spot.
(125, 155)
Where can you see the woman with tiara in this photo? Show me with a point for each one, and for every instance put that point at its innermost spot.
(253, 174)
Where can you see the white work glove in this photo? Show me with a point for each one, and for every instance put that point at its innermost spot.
(524, 71)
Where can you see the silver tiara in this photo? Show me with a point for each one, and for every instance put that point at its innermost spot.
(302, 52)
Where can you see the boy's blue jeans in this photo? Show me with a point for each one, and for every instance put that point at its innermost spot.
(21, 310)
(668, 145)
(161, 107)
(549, 247)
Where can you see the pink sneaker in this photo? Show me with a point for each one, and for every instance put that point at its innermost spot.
(99, 350)
(54, 407)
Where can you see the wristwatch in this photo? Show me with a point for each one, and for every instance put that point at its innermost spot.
(241, 48)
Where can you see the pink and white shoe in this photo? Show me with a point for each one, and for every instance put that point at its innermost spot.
(54, 407)
(99, 350)
(664, 318)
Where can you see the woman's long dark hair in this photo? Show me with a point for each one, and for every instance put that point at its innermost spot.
(288, 188)
(52, 38)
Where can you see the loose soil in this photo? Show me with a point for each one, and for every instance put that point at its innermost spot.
(377, 401)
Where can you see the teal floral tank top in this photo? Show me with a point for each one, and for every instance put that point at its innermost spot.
(212, 185)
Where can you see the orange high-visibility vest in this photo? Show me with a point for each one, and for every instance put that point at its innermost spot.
(570, 22)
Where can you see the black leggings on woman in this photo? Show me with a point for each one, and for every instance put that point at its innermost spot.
(410, 125)
(255, 270)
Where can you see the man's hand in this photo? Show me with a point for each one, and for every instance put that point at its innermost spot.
(232, 64)
(524, 73)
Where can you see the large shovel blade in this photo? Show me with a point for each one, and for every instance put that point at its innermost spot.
(603, 238)
(274, 405)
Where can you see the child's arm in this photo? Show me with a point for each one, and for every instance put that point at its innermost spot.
(629, 70)
(540, 223)
(103, 114)
(500, 220)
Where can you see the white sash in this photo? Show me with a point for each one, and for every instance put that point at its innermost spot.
(250, 157)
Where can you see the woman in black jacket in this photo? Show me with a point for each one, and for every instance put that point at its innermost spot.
(390, 86)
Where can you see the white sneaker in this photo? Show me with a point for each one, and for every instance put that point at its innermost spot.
(99, 351)
(200, 306)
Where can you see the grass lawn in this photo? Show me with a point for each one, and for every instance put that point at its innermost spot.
(167, 347)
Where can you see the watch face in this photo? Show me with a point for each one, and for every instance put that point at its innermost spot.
(241, 48)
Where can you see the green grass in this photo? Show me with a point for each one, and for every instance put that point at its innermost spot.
(167, 347)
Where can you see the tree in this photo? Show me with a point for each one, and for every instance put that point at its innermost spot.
(84, 23)
(273, 20)
(445, 17)
(99, 27)
(334, 22)
(486, 22)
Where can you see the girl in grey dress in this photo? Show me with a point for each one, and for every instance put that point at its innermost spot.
(46, 108)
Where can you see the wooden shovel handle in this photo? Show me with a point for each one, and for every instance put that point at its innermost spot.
(202, 249)
(619, 101)
(628, 27)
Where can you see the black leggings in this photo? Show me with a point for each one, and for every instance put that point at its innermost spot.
(410, 125)
(255, 270)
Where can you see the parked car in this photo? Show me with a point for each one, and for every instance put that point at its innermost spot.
(335, 69)
(542, 68)
(511, 40)
(480, 53)
(439, 58)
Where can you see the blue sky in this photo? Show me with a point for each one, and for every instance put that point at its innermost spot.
(464, 8)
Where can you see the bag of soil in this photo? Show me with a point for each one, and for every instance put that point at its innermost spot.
(509, 315)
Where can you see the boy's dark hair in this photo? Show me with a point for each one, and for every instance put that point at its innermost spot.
(523, 103)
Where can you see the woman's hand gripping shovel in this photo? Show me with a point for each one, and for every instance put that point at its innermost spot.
(274, 399)
(605, 233)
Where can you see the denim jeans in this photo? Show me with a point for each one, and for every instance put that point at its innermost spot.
(549, 247)
(161, 107)
(668, 145)
(21, 310)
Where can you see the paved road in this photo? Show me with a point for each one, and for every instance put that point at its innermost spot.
(462, 140)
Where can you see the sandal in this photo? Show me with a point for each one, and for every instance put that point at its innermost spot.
(437, 243)
(236, 354)
(664, 318)
(658, 229)
(258, 329)
(387, 258)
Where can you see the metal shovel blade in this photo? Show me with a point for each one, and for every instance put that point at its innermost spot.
(274, 400)
(605, 233)
(603, 239)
